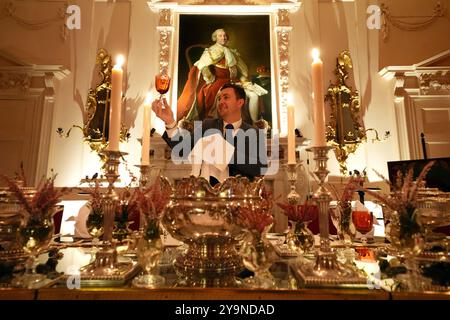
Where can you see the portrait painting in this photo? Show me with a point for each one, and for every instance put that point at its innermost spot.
(217, 49)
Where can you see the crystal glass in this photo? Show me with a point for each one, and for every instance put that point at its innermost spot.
(341, 217)
(258, 256)
(149, 251)
(121, 232)
(299, 238)
(94, 226)
(363, 222)
(34, 237)
(162, 83)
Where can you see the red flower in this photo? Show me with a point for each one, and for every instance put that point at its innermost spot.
(150, 201)
(299, 212)
(254, 219)
(40, 205)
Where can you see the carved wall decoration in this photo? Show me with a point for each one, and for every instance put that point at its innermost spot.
(10, 11)
(405, 23)
(18, 81)
(283, 31)
(165, 30)
(437, 83)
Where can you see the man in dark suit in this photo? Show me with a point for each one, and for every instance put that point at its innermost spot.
(250, 156)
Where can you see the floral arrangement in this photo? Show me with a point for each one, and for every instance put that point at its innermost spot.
(95, 218)
(255, 219)
(403, 201)
(150, 202)
(300, 213)
(344, 199)
(40, 205)
(267, 198)
(95, 203)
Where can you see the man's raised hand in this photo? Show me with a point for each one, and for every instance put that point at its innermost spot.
(163, 111)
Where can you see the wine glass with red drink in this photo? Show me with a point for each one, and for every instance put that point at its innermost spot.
(363, 222)
(162, 84)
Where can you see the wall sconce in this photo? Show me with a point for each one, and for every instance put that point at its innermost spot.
(345, 130)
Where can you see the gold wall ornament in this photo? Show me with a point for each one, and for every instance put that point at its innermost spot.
(405, 25)
(345, 130)
(96, 116)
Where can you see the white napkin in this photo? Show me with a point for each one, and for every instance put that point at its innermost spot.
(210, 157)
(80, 222)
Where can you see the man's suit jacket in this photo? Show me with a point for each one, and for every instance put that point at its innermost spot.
(254, 156)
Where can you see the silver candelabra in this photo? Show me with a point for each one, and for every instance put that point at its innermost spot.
(326, 270)
(144, 178)
(111, 198)
(105, 266)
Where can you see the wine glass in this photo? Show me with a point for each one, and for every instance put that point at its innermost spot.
(363, 222)
(149, 250)
(34, 236)
(94, 226)
(162, 83)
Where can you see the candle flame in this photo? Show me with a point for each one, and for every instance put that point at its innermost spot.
(316, 54)
(120, 59)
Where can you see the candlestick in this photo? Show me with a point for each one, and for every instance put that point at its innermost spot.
(326, 270)
(145, 155)
(111, 198)
(293, 196)
(291, 134)
(115, 111)
(319, 139)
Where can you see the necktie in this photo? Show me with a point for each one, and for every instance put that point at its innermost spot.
(228, 135)
(228, 130)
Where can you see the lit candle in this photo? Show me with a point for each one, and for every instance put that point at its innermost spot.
(319, 112)
(146, 132)
(291, 132)
(115, 110)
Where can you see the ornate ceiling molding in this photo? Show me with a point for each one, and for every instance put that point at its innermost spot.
(247, 6)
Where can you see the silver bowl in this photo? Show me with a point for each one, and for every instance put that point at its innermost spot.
(206, 219)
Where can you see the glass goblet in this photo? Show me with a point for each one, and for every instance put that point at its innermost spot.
(34, 236)
(149, 250)
(258, 256)
(363, 222)
(148, 253)
(94, 226)
(162, 84)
